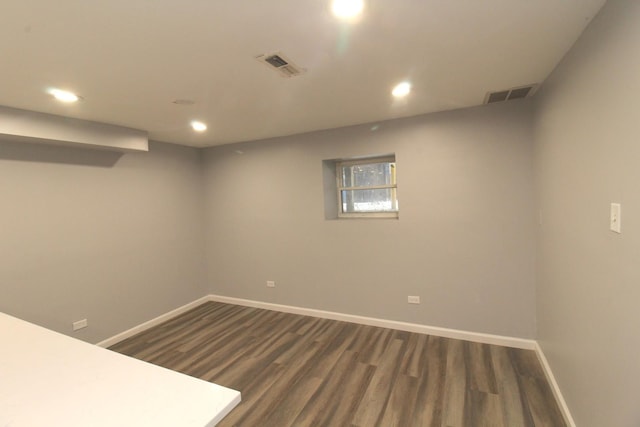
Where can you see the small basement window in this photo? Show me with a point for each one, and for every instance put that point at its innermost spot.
(367, 188)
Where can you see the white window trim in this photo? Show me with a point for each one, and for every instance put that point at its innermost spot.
(345, 163)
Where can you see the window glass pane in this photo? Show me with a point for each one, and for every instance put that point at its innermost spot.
(368, 174)
(379, 200)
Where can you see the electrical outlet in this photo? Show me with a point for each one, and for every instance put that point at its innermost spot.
(80, 324)
(271, 284)
(413, 299)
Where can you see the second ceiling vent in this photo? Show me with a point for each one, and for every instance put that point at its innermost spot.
(281, 64)
(509, 94)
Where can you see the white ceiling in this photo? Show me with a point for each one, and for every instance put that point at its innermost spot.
(130, 59)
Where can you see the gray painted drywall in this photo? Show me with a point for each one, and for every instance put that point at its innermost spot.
(464, 241)
(114, 238)
(587, 132)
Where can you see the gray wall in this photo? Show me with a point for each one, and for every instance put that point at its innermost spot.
(464, 241)
(99, 235)
(587, 156)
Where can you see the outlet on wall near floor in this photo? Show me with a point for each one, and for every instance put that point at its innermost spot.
(80, 324)
(413, 299)
(271, 284)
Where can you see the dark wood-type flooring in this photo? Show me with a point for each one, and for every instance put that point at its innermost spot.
(303, 371)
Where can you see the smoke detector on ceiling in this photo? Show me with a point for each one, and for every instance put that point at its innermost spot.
(509, 94)
(277, 61)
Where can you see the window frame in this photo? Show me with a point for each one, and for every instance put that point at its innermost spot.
(341, 164)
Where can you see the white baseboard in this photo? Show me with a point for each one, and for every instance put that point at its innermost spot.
(391, 324)
(554, 386)
(151, 323)
(526, 344)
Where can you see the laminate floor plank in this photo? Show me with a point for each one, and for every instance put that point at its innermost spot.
(376, 346)
(349, 379)
(333, 350)
(415, 355)
(293, 403)
(485, 410)
(216, 355)
(302, 371)
(256, 393)
(212, 330)
(371, 408)
(301, 341)
(539, 401)
(260, 362)
(282, 387)
(397, 413)
(480, 367)
(428, 403)
(455, 389)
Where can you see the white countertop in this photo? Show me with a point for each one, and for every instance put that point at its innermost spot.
(50, 379)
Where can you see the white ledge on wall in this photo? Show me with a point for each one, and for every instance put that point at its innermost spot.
(28, 126)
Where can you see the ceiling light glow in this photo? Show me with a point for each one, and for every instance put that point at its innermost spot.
(401, 89)
(347, 8)
(198, 126)
(64, 96)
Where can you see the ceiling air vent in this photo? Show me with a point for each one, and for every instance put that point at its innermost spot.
(509, 94)
(281, 64)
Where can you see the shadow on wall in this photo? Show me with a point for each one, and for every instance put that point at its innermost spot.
(44, 153)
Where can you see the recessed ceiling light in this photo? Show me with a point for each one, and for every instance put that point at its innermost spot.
(347, 8)
(198, 126)
(401, 89)
(64, 96)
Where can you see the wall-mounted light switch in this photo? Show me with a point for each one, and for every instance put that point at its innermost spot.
(615, 218)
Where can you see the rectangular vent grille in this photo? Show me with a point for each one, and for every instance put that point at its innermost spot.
(498, 96)
(509, 94)
(276, 61)
(520, 92)
(280, 63)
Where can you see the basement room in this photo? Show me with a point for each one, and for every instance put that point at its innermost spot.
(319, 213)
